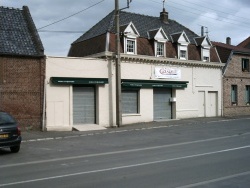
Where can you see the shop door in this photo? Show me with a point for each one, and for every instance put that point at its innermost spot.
(84, 105)
(212, 104)
(162, 105)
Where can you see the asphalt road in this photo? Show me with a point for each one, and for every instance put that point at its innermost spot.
(212, 154)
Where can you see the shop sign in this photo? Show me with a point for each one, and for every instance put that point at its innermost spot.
(166, 72)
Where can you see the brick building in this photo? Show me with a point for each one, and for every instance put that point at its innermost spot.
(22, 67)
(236, 78)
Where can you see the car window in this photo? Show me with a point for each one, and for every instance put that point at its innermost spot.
(6, 118)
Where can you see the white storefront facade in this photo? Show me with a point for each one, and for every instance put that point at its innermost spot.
(80, 92)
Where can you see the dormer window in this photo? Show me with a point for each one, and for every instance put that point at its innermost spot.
(182, 44)
(205, 46)
(183, 54)
(160, 38)
(130, 46)
(205, 55)
(160, 49)
(130, 38)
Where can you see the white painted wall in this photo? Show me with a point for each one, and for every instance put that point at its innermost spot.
(187, 104)
(59, 97)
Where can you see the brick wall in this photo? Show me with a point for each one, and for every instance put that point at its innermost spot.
(21, 89)
(235, 76)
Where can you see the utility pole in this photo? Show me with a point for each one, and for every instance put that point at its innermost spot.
(118, 67)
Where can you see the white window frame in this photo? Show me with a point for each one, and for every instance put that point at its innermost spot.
(126, 45)
(182, 48)
(205, 54)
(163, 44)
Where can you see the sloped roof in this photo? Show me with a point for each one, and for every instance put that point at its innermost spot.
(143, 24)
(245, 43)
(225, 50)
(18, 34)
(231, 47)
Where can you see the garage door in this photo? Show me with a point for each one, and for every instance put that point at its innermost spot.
(83, 105)
(162, 105)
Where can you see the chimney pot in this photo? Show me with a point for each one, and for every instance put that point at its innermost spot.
(164, 16)
(228, 40)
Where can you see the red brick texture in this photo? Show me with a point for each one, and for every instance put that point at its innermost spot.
(21, 89)
(235, 76)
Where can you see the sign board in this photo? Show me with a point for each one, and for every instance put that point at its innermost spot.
(166, 72)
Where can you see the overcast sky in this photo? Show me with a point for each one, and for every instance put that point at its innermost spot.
(223, 18)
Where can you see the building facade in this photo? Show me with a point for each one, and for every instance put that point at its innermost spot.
(236, 79)
(81, 92)
(22, 68)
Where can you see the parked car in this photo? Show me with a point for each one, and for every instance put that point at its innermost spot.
(10, 133)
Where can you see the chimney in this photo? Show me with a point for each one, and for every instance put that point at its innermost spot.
(228, 40)
(202, 31)
(164, 16)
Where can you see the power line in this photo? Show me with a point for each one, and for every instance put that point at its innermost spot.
(53, 31)
(211, 9)
(71, 15)
(216, 10)
(218, 19)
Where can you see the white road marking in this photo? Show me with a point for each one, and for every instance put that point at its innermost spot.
(121, 151)
(215, 180)
(124, 167)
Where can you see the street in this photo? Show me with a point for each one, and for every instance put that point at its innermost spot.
(204, 154)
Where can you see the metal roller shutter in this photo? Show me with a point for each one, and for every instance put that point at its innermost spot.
(83, 105)
(162, 104)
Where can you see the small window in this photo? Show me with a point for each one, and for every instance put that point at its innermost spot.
(206, 59)
(183, 54)
(160, 49)
(248, 95)
(234, 94)
(130, 47)
(130, 102)
(206, 54)
(245, 65)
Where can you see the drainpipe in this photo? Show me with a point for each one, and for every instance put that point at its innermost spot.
(44, 104)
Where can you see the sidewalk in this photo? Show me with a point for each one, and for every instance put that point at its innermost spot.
(39, 135)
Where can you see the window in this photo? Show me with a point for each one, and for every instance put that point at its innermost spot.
(248, 95)
(130, 102)
(183, 54)
(245, 65)
(206, 59)
(130, 46)
(160, 49)
(234, 94)
(206, 55)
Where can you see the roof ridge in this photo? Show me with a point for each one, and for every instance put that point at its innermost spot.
(10, 8)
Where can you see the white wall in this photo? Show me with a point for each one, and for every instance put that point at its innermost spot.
(59, 97)
(187, 105)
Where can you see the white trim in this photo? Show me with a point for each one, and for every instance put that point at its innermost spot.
(107, 41)
(125, 45)
(164, 48)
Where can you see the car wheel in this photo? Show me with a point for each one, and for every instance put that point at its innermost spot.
(15, 149)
